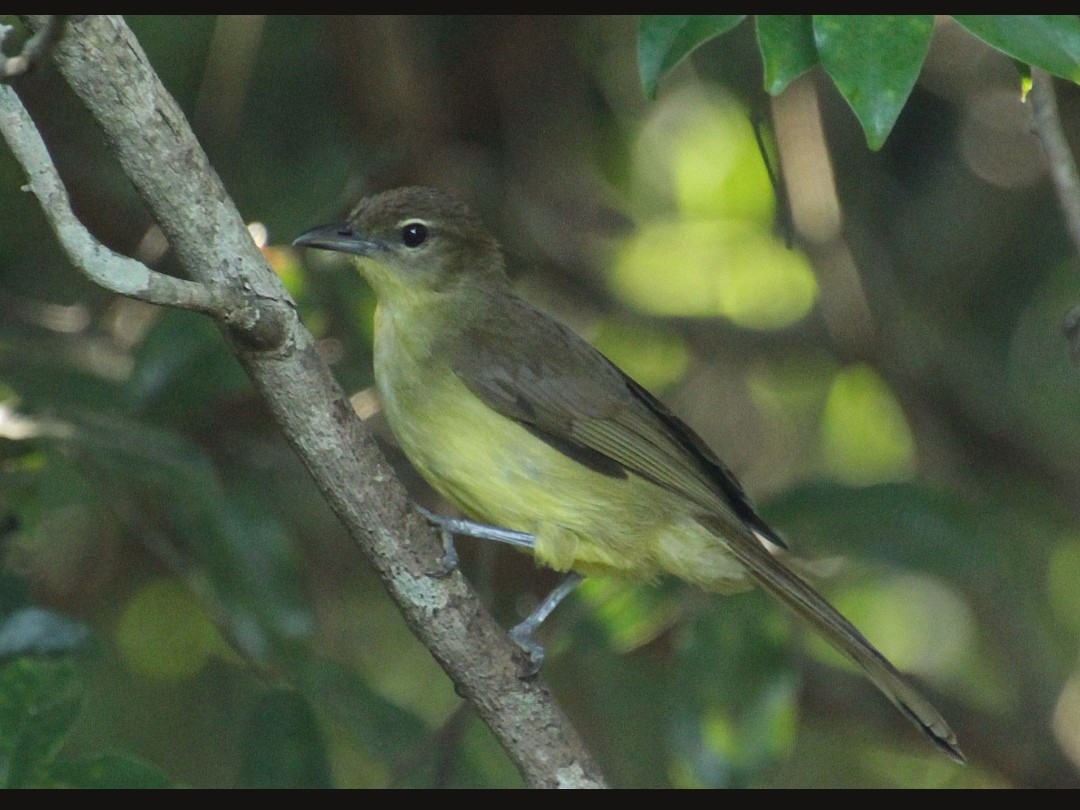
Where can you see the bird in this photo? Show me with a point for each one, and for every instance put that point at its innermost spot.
(544, 443)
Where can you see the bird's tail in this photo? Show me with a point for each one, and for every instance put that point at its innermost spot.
(808, 604)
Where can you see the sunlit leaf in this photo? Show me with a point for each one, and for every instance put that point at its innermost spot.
(874, 61)
(654, 358)
(865, 436)
(786, 42)
(920, 624)
(721, 267)
(165, 633)
(631, 614)
(665, 40)
(1047, 41)
(697, 152)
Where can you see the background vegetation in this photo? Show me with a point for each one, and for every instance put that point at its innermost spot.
(894, 390)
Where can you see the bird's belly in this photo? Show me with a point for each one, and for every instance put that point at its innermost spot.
(499, 473)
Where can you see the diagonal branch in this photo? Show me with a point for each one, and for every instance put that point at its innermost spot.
(149, 136)
(111, 270)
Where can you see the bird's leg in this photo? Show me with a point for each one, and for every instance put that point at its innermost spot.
(448, 527)
(522, 634)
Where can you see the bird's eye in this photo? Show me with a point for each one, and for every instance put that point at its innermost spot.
(414, 234)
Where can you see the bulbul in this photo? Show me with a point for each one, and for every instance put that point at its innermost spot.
(528, 429)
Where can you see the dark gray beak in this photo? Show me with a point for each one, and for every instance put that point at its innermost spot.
(339, 237)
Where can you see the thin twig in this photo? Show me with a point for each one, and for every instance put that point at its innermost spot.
(1062, 163)
(35, 50)
(1063, 172)
(111, 270)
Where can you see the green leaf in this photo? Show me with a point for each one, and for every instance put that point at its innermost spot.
(1047, 41)
(285, 747)
(905, 526)
(246, 555)
(39, 700)
(182, 367)
(786, 42)
(732, 711)
(393, 739)
(874, 61)
(109, 771)
(664, 40)
(371, 720)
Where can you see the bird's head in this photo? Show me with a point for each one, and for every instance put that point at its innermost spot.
(413, 240)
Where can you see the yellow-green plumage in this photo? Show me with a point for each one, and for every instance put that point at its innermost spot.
(496, 471)
(523, 425)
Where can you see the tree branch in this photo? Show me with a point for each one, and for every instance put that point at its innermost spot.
(35, 50)
(1063, 172)
(1062, 163)
(105, 66)
(108, 269)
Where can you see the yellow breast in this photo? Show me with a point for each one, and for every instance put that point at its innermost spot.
(499, 473)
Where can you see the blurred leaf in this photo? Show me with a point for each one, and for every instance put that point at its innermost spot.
(697, 153)
(918, 622)
(632, 614)
(874, 60)
(904, 525)
(181, 367)
(38, 631)
(787, 47)
(1061, 580)
(1040, 375)
(714, 267)
(39, 700)
(1047, 41)
(108, 771)
(479, 761)
(864, 433)
(39, 703)
(382, 729)
(285, 746)
(734, 703)
(248, 561)
(49, 373)
(164, 632)
(14, 593)
(654, 358)
(398, 745)
(625, 699)
(665, 40)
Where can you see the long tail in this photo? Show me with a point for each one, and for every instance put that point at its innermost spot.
(808, 604)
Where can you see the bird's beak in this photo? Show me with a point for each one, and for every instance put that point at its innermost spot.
(339, 237)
